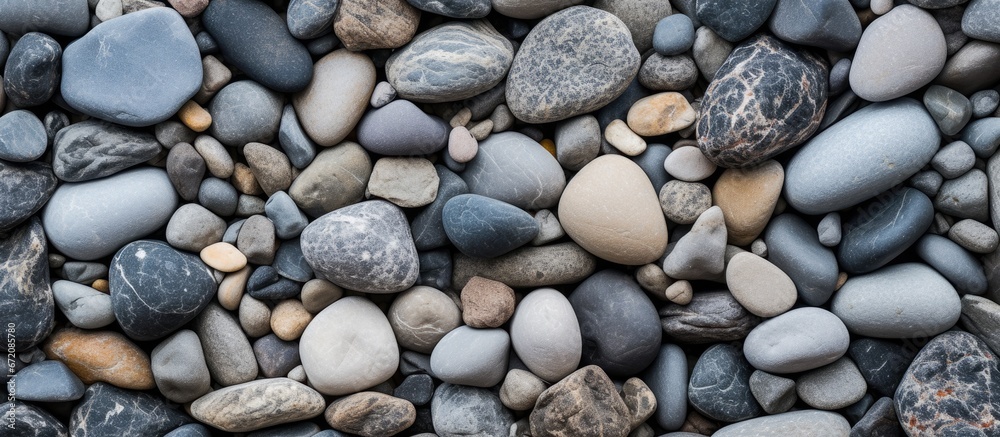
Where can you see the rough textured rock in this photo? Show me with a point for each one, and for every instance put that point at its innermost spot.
(584, 402)
(25, 293)
(26, 188)
(370, 414)
(458, 410)
(108, 410)
(258, 404)
(720, 385)
(379, 24)
(95, 149)
(713, 316)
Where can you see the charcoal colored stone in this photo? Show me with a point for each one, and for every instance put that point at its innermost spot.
(186, 168)
(952, 261)
(108, 410)
(275, 356)
(793, 245)
(880, 420)
(24, 189)
(25, 294)
(882, 363)
(94, 149)
(459, 410)
(289, 262)
(896, 220)
(720, 385)
(427, 227)
(31, 75)
(734, 19)
(416, 388)
(454, 8)
(435, 269)
(301, 150)
(828, 24)
(266, 283)
(29, 420)
(713, 316)
(486, 228)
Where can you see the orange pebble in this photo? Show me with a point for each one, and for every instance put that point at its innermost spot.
(550, 146)
(101, 285)
(194, 116)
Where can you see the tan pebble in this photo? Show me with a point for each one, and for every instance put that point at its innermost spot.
(689, 164)
(639, 399)
(194, 116)
(217, 159)
(101, 285)
(318, 294)
(223, 257)
(269, 166)
(520, 389)
(748, 198)
(101, 356)
(486, 303)
(680, 292)
(482, 129)
(461, 118)
(841, 279)
(288, 319)
(660, 114)
(462, 147)
(255, 316)
(216, 75)
(653, 279)
(337, 96)
(232, 287)
(244, 181)
(760, 286)
(622, 138)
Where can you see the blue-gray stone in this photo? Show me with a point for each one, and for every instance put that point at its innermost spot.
(288, 220)
(95, 149)
(981, 317)
(734, 20)
(54, 122)
(460, 410)
(840, 75)
(31, 75)
(467, 9)
(48, 381)
(828, 24)
(156, 289)
(667, 378)
(651, 163)
(244, 112)
(472, 357)
(294, 141)
(255, 39)
(190, 430)
(951, 110)
(56, 17)
(984, 102)
(135, 70)
(482, 227)
(25, 294)
(879, 420)
(453, 61)
(417, 388)
(24, 189)
(28, 420)
(673, 35)
(427, 227)
(322, 46)
(983, 136)
(308, 19)
(206, 44)
(952, 261)
(965, 197)
(297, 429)
(290, 263)
(218, 196)
(400, 128)
(849, 163)
(83, 272)
(22, 136)
(882, 229)
(619, 324)
(981, 20)
(513, 168)
(794, 247)
(720, 385)
(275, 356)
(435, 269)
(233, 231)
(266, 283)
(107, 410)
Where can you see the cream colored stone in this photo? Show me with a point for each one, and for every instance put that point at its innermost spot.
(336, 97)
(289, 318)
(462, 146)
(223, 257)
(680, 292)
(661, 114)
(748, 198)
(761, 287)
(232, 287)
(619, 135)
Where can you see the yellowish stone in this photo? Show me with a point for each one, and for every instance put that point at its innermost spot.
(224, 257)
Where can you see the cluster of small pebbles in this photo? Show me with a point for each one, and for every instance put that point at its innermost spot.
(627, 218)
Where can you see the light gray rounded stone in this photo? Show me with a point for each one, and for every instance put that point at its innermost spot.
(193, 228)
(803, 423)
(470, 356)
(179, 367)
(228, 353)
(513, 168)
(546, 335)
(832, 387)
(244, 112)
(900, 301)
(799, 340)
(84, 306)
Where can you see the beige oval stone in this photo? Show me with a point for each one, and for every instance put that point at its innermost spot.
(421, 316)
(289, 318)
(661, 114)
(621, 137)
(101, 356)
(371, 414)
(748, 197)
(336, 97)
(462, 147)
(232, 287)
(680, 292)
(520, 389)
(318, 294)
(223, 257)
(258, 404)
(337, 177)
(611, 209)
(406, 182)
(761, 287)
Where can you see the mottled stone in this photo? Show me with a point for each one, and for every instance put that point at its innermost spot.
(458, 410)
(101, 356)
(585, 402)
(513, 168)
(378, 24)
(683, 202)
(562, 263)
(734, 19)
(370, 414)
(258, 404)
(713, 316)
(95, 149)
(336, 178)
(25, 293)
(486, 228)
(25, 189)
(27, 420)
(108, 410)
(31, 74)
(804, 423)
(720, 385)
(336, 97)
(980, 20)
(228, 354)
(309, 19)
(767, 127)
(801, 339)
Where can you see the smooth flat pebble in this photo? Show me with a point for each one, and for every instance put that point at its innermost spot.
(515, 169)
(470, 356)
(804, 423)
(799, 340)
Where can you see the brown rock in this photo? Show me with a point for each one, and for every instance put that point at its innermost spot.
(371, 414)
(194, 116)
(697, 424)
(336, 97)
(639, 399)
(583, 403)
(486, 303)
(289, 318)
(269, 166)
(611, 209)
(103, 356)
(189, 8)
(521, 389)
(661, 114)
(375, 24)
(747, 198)
(232, 287)
(336, 178)
(244, 180)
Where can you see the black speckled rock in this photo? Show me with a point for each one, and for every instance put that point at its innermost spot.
(620, 328)
(949, 387)
(30, 421)
(741, 124)
(882, 229)
(364, 247)
(107, 410)
(308, 19)
(256, 40)
(460, 410)
(881, 362)
(450, 62)
(24, 189)
(713, 316)
(418, 389)
(427, 227)
(156, 289)
(734, 20)
(573, 62)
(31, 75)
(486, 228)
(94, 149)
(454, 8)
(720, 385)
(25, 294)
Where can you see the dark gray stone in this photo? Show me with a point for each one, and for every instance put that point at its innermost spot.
(454, 8)
(255, 39)
(218, 196)
(983, 136)
(57, 17)
(401, 128)
(673, 35)
(794, 247)
(953, 262)
(28, 420)
(486, 228)
(948, 388)
(47, 381)
(94, 149)
(965, 197)
(954, 159)
(980, 20)
(651, 163)
(435, 269)
(206, 44)
(734, 20)
(25, 294)
(289, 262)
(135, 70)
(364, 247)
(511, 167)
(83, 272)
(981, 317)
(950, 109)
(713, 316)
(894, 220)
(24, 189)
(427, 227)
(156, 289)
(774, 393)
(293, 139)
(275, 356)
(31, 75)
(22, 136)
(186, 168)
(856, 411)
(485, 103)
(764, 127)
(190, 430)
(266, 284)
(288, 220)
(416, 388)
(881, 362)
(667, 378)
(720, 385)
(839, 78)
(459, 410)
(308, 19)
(828, 24)
(244, 112)
(619, 325)
(107, 410)
(415, 363)
(880, 420)
(256, 240)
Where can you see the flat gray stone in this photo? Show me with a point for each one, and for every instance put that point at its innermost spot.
(513, 168)
(179, 368)
(470, 356)
(774, 393)
(799, 340)
(22, 136)
(832, 387)
(84, 306)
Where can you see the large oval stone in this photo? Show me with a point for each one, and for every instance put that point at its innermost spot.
(450, 62)
(861, 156)
(741, 124)
(515, 169)
(348, 347)
(258, 404)
(898, 301)
(799, 340)
(364, 247)
(94, 149)
(135, 70)
(804, 423)
(573, 62)
(156, 289)
(545, 334)
(878, 232)
(92, 219)
(25, 293)
(610, 209)
(336, 97)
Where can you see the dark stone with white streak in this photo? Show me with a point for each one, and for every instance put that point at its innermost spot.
(882, 363)
(454, 8)
(720, 385)
(107, 410)
(30, 421)
(486, 228)
(25, 294)
(308, 19)
(31, 75)
(895, 221)
(94, 149)
(24, 189)
(55, 17)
